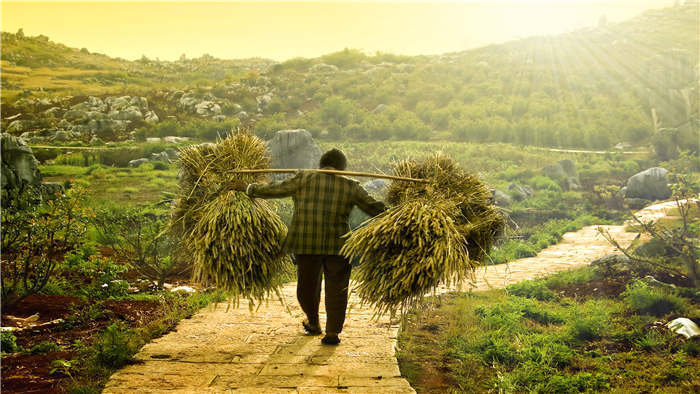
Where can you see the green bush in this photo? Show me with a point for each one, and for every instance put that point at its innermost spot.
(9, 342)
(532, 289)
(589, 321)
(540, 182)
(642, 298)
(117, 345)
(495, 347)
(650, 341)
(581, 382)
(45, 347)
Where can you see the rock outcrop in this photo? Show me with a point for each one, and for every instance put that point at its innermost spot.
(294, 149)
(19, 166)
(564, 173)
(650, 184)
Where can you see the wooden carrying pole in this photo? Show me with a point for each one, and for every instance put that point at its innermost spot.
(351, 173)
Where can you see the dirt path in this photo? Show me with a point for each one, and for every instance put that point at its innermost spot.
(266, 351)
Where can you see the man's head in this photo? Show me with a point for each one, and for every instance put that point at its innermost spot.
(334, 158)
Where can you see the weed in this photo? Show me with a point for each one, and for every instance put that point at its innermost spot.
(64, 367)
(44, 347)
(589, 321)
(82, 315)
(532, 289)
(9, 342)
(650, 341)
(642, 298)
(117, 345)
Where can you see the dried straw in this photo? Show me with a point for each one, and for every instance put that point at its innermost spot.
(434, 234)
(234, 242)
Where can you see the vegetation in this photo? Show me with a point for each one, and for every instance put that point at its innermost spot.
(531, 338)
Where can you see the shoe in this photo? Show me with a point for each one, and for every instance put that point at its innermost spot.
(311, 329)
(330, 339)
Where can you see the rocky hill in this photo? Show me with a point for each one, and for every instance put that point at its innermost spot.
(589, 88)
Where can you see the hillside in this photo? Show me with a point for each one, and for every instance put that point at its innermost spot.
(591, 88)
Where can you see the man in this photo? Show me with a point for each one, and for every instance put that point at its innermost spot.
(322, 204)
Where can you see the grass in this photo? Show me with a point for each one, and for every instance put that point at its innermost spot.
(529, 339)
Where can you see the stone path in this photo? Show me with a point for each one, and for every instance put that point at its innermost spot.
(267, 352)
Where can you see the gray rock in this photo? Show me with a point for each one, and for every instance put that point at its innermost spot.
(19, 126)
(64, 124)
(174, 140)
(96, 141)
(151, 117)
(117, 104)
(501, 199)
(129, 114)
(137, 162)
(219, 118)
(564, 173)
(19, 166)
(53, 112)
(94, 115)
(294, 149)
(63, 136)
(172, 153)
(74, 114)
(650, 184)
(637, 203)
(91, 104)
(376, 186)
(207, 108)
(613, 263)
(242, 115)
(520, 192)
(162, 156)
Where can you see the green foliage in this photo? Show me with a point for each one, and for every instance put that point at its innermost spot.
(589, 321)
(45, 347)
(83, 315)
(650, 341)
(64, 367)
(35, 236)
(9, 342)
(642, 298)
(536, 289)
(117, 345)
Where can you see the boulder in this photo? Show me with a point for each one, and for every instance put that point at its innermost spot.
(637, 203)
(294, 149)
(218, 118)
(96, 141)
(242, 115)
(613, 263)
(129, 114)
(106, 129)
(162, 156)
(151, 117)
(63, 136)
(53, 112)
(501, 199)
(376, 186)
(91, 104)
(19, 166)
(174, 140)
(117, 104)
(564, 173)
(684, 326)
(520, 192)
(207, 108)
(172, 153)
(64, 124)
(74, 114)
(19, 126)
(137, 162)
(650, 184)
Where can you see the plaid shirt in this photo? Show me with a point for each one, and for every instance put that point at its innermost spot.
(322, 204)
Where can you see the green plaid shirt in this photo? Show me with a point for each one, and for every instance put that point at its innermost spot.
(322, 204)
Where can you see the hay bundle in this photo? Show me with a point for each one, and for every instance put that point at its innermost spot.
(434, 233)
(233, 241)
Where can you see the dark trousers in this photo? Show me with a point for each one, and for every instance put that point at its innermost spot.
(336, 271)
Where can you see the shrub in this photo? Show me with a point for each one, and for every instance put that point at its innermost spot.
(117, 345)
(44, 347)
(589, 321)
(9, 342)
(494, 347)
(642, 298)
(540, 182)
(581, 382)
(650, 341)
(532, 289)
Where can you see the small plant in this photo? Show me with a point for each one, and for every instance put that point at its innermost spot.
(63, 367)
(532, 289)
(645, 299)
(117, 345)
(82, 315)
(590, 321)
(45, 347)
(650, 341)
(9, 342)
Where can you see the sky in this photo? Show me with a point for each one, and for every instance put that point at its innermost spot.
(285, 29)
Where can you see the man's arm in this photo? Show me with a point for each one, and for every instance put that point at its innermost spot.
(366, 203)
(285, 188)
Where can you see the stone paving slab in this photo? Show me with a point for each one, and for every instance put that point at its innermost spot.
(228, 349)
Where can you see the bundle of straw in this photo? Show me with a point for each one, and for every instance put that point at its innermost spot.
(233, 241)
(433, 234)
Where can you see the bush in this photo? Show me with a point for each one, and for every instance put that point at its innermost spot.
(532, 289)
(9, 342)
(642, 298)
(45, 347)
(589, 321)
(544, 183)
(117, 345)
(581, 382)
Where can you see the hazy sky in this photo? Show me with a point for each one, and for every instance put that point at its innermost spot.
(285, 29)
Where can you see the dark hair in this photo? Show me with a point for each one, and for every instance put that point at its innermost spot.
(334, 158)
